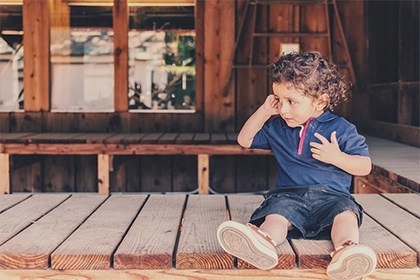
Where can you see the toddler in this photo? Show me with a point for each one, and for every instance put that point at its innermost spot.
(317, 154)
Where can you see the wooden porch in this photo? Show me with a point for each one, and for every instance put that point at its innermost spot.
(173, 236)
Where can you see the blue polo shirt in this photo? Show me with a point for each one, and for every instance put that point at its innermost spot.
(297, 167)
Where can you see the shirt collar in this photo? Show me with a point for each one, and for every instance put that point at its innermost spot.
(325, 117)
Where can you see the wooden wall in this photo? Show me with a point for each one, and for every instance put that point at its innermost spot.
(382, 40)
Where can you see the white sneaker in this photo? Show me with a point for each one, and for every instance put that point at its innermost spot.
(352, 261)
(248, 243)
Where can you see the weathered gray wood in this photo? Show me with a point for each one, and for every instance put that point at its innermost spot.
(168, 138)
(218, 138)
(399, 222)
(150, 242)
(390, 251)
(241, 208)
(408, 201)
(31, 248)
(133, 138)
(198, 247)
(399, 158)
(117, 138)
(8, 200)
(201, 138)
(91, 245)
(93, 137)
(151, 138)
(184, 138)
(22, 215)
(6, 137)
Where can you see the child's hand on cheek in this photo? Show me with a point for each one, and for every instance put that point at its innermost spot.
(328, 152)
(270, 105)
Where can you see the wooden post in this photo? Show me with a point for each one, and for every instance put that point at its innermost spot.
(203, 174)
(36, 81)
(4, 174)
(120, 18)
(103, 174)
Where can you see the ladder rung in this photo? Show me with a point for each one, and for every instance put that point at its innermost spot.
(291, 34)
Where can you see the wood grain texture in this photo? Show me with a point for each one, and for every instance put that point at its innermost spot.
(150, 242)
(399, 222)
(7, 200)
(225, 274)
(312, 254)
(103, 173)
(4, 173)
(409, 202)
(203, 174)
(31, 248)
(36, 23)
(241, 208)
(92, 244)
(198, 247)
(24, 214)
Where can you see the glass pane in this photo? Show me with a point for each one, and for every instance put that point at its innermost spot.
(82, 69)
(11, 57)
(162, 58)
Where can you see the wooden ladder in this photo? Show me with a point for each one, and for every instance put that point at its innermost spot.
(250, 15)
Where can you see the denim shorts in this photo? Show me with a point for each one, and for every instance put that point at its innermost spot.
(311, 210)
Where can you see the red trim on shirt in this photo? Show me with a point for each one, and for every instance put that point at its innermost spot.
(302, 138)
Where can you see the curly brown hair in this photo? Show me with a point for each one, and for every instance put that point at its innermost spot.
(314, 75)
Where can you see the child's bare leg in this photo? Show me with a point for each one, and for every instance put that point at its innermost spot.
(345, 228)
(276, 226)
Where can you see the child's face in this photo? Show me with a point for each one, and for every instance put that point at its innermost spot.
(295, 107)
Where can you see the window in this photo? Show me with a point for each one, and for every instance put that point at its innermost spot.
(161, 57)
(82, 70)
(11, 57)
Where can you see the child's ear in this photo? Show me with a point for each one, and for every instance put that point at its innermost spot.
(322, 102)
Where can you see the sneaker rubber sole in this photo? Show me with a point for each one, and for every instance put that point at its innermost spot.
(355, 262)
(239, 240)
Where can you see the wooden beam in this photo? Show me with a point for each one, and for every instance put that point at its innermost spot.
(36, 39)
(120, 20)
(402, 133)
(129, 149)
(203, 174)
(4, 173)
(103, 173)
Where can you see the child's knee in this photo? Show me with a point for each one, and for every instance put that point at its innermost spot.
(278, 219)
(347, 216)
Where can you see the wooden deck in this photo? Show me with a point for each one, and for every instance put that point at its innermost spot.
(173, 236)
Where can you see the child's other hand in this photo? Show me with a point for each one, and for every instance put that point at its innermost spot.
(326, 151)
(270, 104)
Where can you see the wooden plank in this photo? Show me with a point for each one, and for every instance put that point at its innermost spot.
(92, 244)
(149, 244)
(138, 149)
(58, 172)
(103, 174)
(406, 134)
(198, 247)
(203, 173)
(390, 251)
(155, 173)
(151, 138)
(218, 138)
(241, 208)
(36, 23)
(409, 202)
(205, 274)
(51, 137)
(184, 173)
(9, 200)
(117, 138)
(168, 138)
(201, 138)
(120, 24)
(184, 138)
(133, 138)
(232, 137)
(31, 248)
(4, 173)
(24, 214)
(219, 96)
(92, 138)
(393, 218)
(6, 137)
